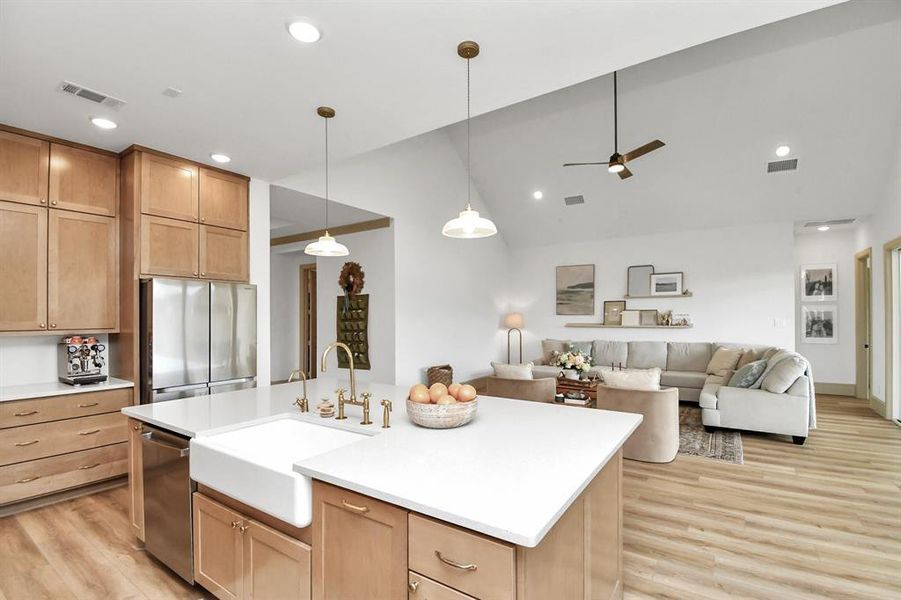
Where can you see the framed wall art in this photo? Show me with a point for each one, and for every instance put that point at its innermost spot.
(648, 318)
(818, 283)
(613, 312)
(631, 318)
(575, 290)
(819, 324)
(666, 284)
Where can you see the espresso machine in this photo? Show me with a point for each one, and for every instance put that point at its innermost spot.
(81, 360)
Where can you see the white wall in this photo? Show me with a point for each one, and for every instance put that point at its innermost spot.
(33, 359)
(742, 280)
(259, 271)
(831, 363)
(285, 311)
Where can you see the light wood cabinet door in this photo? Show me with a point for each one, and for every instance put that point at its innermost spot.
(169, 247)
(223, 200)
(83, 181)
(136, 478)
(223, 253)
(276, 567)
(218, 548)
(169, 188)
(359, 546)
(23, 267)
(82, 272)
(24, 167)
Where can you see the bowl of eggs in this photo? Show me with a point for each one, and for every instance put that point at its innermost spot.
(442, 406)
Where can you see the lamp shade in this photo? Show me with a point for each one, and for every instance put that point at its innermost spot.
(513, 321)
(326, 246)
(469, 225)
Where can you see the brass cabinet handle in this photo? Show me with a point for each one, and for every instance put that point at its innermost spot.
(235, 524)
(86, 467)
(202, 219)
(455, 564)
(202, 274)
(28, 479)
(242, 528)
(53, 202)
(195, 273)
(88, 405)
(357, 509)
(52, 325)
(136, 427)
(43, 326)
(20, 444)
(91, 432)
(413, 585)
(25, 414)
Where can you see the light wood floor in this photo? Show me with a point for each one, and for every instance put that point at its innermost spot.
(818, 521)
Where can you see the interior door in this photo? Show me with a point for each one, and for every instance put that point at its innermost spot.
(233, 331)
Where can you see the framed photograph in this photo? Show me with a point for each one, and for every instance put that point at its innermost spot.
(666, 284)
(613, 312)
(638, 280)
(575, 290)
(647, 318)
(818, 283)
(819, 324)
(631, 318)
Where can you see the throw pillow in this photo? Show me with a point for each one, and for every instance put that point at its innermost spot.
(723, 360)
(748, 356)
(748, 374)
(770, 353)
(634, 379)
(506, 371)
(774, 359)
(548, 347)
(583, 347)
(783, 375)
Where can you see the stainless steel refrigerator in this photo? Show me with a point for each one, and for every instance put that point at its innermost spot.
(197, 338)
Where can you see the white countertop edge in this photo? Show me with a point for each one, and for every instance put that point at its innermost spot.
(129, 411)
(30, 391)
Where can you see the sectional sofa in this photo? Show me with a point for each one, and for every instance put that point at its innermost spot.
(683, 365)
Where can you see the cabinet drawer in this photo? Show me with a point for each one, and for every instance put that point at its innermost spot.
(423, 588)
(31, 442)
(47, 475)
(41, 410)
(471, 563)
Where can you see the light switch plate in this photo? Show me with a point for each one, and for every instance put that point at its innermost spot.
(780, 323)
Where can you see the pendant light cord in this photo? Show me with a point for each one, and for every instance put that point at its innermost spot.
(326, 174)
(468, 140)
(615, 118)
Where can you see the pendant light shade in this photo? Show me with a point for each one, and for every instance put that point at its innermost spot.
(469, 224)
(326, 245)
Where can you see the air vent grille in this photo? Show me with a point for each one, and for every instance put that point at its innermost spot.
(92, 95)
(777, 166)
(573, 200)
(831, 223)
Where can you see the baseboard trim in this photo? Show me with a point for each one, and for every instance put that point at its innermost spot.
(877, 405)
(53, 498)
(836, 389)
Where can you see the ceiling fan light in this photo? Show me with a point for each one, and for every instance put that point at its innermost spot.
(616, 167)
(326, 246)
(469, 225)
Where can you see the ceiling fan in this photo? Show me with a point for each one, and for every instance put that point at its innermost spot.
(617, 162)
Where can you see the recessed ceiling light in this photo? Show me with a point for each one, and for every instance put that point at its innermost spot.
(220, 158)
(304, 32)
(103, 123)
(782, 151)
(538, 194)
(823, 228)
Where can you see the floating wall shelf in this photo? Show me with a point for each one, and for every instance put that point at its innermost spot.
(602, 326)
(688, 295)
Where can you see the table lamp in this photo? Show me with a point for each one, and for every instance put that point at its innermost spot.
(513, 322)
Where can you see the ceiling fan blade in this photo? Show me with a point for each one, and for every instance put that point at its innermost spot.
(625, 173)
(642, 150)
(584, 164)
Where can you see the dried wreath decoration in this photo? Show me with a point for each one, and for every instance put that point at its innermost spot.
(351, 279)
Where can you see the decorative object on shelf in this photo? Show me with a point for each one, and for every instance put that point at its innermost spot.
(681, 320)
(513, 322)
(469, 224)
(613, 312)
(630, 318)
(819, 324)
(818, 283)
(353, 329)
(440, 374)
(573, 364)
(326, 245)
(351, 280)
(665, 318)
(575, 290)
(638, 280)
(325, 409)
(666, 284)
(648, 318)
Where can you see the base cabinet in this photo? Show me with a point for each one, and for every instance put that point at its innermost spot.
(135, 478)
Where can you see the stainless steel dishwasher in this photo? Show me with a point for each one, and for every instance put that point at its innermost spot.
(167, 500)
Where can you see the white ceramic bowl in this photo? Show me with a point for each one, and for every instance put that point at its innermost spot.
(442, 416)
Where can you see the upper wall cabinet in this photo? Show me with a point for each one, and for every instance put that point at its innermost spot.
(24, 163)
(23, 267)
(169, 188)
(223, 200)
(83, 181)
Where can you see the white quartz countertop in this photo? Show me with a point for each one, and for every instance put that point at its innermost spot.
(57, 388)
(510, 473)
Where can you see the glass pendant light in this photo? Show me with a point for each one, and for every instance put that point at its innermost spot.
(469, 224)
(326, 245)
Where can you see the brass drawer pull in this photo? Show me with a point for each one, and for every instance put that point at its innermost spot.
(235, 524)
(25, 414)
(29, 479)
(91, 432)
(357, 509)
(20, 444)
(86, 467)
(88, 405)
(413, 585)
(455, 564)
(242, 528)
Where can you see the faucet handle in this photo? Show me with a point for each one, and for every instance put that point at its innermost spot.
(366, 396)
(340, 392)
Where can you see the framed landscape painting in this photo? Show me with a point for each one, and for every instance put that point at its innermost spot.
(818, 283)
(575, 290)
(819, 324)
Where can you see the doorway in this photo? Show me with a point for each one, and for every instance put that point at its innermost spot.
(863, 329)
(892, 264)
(307, 319)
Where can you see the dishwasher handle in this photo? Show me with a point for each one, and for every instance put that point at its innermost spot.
(182, 452)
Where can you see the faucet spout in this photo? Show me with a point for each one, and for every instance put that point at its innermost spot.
(350, 360)
(302, 403)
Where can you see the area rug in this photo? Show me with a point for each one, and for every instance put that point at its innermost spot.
(695, 441)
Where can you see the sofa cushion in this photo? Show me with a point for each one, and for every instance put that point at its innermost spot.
(748, 355)
(783, 375)
(801, 387)
(687, 356)
(647, 355)
(548, 347)
(748, 374)
(506, 371)
(607, 353)
(724, 359)
(641, 379)
(683, 379)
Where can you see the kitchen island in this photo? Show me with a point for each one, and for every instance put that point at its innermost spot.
(533, 490)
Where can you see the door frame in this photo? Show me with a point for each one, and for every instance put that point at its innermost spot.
(308, 332)
(863, 323)
(890, 258)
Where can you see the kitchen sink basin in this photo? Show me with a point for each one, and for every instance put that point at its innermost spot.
(253, 464)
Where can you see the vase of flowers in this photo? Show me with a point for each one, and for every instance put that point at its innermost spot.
(573, 364)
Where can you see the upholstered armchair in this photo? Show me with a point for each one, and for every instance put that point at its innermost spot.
(536, 390)
(657, 438)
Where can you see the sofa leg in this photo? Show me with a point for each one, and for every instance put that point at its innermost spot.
(799, 440)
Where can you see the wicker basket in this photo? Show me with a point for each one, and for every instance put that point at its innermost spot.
(442, 416)
(440, 374)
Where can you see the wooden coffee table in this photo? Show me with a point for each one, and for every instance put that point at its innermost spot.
(586, 386)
